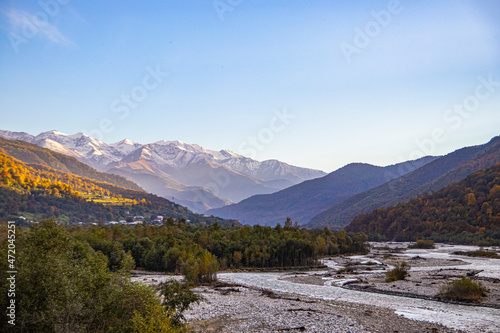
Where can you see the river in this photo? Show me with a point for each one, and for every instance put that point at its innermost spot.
(467, 318)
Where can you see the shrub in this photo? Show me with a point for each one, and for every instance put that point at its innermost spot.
(178, 298)
(423, 244)
(463, 290)
(400, 272)
(479, 253)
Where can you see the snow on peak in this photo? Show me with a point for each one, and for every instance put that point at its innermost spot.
(124, 147)
(56, 132)
(176, 154)
(163, 142)
(124, 143)
(23, 136)
(127, 142)
(58, 148)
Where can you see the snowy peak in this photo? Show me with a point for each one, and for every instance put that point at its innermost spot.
(75, 141)
(191, 148)
(125, 146)
(87, 149)
(124, 142)
(23, 136)
(58, 148)
(174, 154)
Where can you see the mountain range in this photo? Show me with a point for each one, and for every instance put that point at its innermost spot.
(303, 201)
(32, 154)
(265, 192)
(336, 199)
(39, 184)
(443, 171)
(187, 174)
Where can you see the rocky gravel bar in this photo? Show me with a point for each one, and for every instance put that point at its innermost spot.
(236, 308)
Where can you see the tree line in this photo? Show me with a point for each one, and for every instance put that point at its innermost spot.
(199, 251)
(64, 285)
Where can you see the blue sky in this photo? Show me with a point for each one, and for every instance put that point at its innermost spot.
(313, 83)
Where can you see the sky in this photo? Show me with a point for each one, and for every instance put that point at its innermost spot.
(316, 84)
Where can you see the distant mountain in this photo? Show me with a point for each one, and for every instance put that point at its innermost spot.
(303, 201)
(467, 212)
(38, 191)
(430, 177)
(159, 182)
(33, 154)
(197, 177)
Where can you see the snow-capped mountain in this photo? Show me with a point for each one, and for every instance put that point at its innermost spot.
(187, 173)
(91, 151)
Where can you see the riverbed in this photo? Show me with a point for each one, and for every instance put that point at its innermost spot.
(456, 316)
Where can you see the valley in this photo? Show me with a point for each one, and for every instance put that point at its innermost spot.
(250, 166)
(248, 277)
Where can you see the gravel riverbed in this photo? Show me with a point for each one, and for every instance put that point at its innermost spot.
(322, 300)
(237, 308)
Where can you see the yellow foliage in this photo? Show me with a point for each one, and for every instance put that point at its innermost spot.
(470, 198)
(495, 189)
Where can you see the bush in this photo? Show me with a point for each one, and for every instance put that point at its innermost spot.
(463, 290)
(423, 244)
(178, 298)
(400, 272)
(479, 253)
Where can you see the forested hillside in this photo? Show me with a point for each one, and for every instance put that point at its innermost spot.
(39, 192)
(466, 212)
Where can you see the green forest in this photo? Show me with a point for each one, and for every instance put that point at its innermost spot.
(63, 285)
(179, 247)
(466, 212)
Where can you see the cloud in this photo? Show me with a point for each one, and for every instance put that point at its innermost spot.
(29, 26)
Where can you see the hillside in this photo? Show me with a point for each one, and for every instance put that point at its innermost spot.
(432, 176)
(464, 212)
(302, 201)
(34, 154)
(40, 192)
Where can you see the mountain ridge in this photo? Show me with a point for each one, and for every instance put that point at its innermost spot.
(301, 202)
(242, 176)
(33, 154)
(410, 185)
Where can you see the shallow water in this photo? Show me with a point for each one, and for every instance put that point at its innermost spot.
(467, 318)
